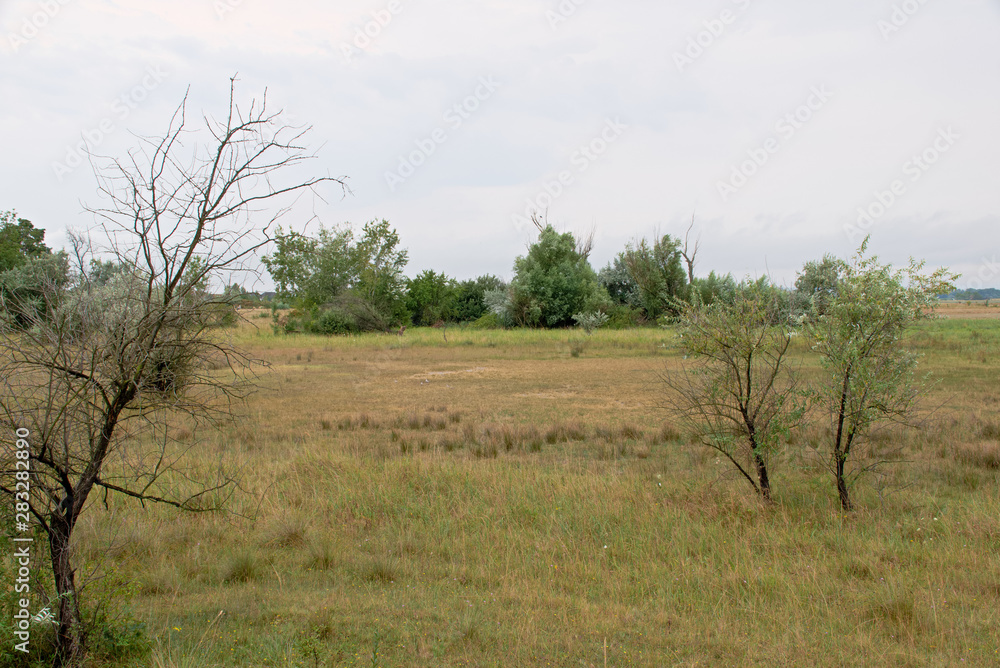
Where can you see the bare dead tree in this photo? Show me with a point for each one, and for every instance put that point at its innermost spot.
(689, 254)
(540, 221)
(100, 369)
(585, 244)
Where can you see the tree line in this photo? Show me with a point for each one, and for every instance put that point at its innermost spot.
(340, 282)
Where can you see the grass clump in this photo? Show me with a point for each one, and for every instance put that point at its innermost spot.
(243, 567)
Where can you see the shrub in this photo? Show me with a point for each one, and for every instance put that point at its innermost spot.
(590, 321)
(488, 321)
(622, 316)
(333, 322)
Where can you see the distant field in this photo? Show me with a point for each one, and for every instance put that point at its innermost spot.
(519, 499)
(971, 310)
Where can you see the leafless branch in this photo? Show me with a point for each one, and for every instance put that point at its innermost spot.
(690, 254)
(95, 371)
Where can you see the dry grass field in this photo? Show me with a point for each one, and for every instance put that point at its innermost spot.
(970, 310)
(520, 499)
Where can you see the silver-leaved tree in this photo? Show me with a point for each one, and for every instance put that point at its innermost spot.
(869, 374)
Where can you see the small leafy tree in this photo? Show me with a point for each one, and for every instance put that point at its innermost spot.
(290, 264)
(26, 288)
(588, 322)
(312, 271)
(737, 395)
(618, 282)
(499, 302)
(869, 373)
(102, 271)
(554, 281)
(714, 288)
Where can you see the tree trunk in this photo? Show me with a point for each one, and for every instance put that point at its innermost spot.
(69, 637)
(765, 483)
(840, 453)
(845, 496)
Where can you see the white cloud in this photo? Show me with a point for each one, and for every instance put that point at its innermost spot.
(686, 129)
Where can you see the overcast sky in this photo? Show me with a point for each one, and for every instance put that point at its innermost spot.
(774, 123)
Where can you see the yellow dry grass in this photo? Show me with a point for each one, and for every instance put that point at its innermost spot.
(519, 499)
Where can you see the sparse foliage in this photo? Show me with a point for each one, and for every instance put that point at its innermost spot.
(104, 364)
(869, 373)
(737, 395)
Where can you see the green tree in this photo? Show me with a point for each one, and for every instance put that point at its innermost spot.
(311, 271)
(618, 282)
(380, 263)
(30, 290)
(291, 263)
(470, 297)
(363, 278)
(737, 395)
(20, 241)
(430, 297)
(553, 282)
(816, 285)
(868, 372)
(714, 288)
(102, 271)
(659, 275)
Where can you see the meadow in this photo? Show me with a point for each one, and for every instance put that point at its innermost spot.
(521, 498)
